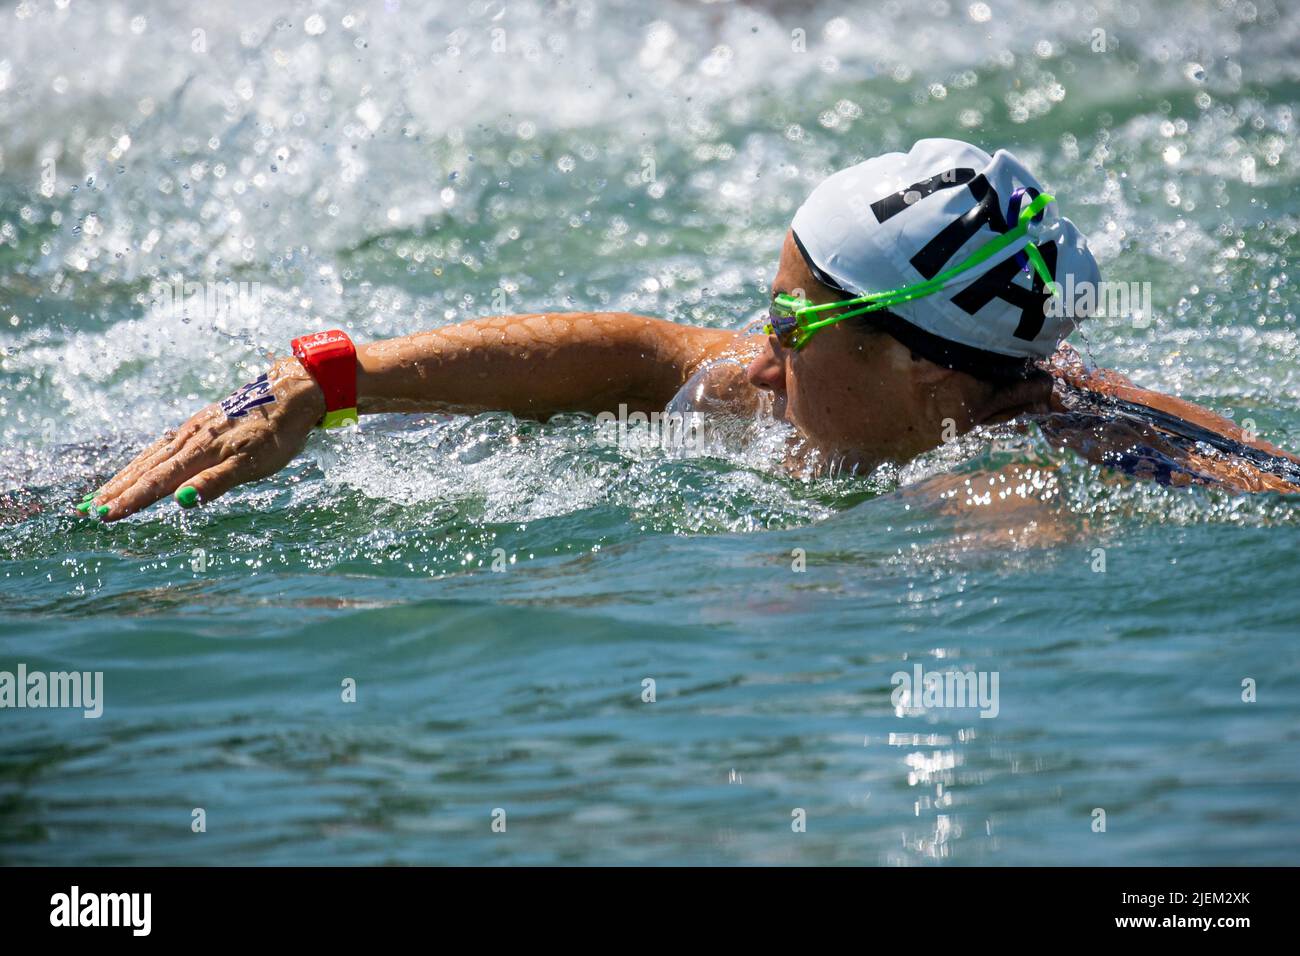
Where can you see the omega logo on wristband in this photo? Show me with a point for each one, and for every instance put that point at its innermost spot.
(331, 359)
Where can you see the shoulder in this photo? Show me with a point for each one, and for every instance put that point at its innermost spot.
(718, 381)
(1017, 505)
(1111, 421)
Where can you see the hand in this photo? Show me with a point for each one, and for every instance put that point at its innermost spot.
(253, 433)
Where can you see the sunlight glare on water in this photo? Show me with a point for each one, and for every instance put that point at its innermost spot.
(387, 167)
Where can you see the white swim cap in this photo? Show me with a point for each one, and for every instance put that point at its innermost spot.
(902, 218)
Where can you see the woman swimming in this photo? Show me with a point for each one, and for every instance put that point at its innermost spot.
(918, 296)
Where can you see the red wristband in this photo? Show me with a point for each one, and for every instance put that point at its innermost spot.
(331, 359)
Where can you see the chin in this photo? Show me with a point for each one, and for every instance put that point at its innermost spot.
(814, 458)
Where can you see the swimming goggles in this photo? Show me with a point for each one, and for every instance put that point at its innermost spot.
(794, 320)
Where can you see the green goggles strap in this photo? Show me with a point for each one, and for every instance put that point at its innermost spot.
(876, 301)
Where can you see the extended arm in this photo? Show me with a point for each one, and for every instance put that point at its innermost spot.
(531, 365)
(535, 365)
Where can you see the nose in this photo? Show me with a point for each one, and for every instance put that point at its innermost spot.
(767, 371)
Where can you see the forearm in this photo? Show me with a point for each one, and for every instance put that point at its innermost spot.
(532, 365)
(535, 365)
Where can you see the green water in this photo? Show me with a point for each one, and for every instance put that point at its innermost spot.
(385, 170)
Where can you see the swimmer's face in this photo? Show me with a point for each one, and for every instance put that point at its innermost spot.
(849, 392)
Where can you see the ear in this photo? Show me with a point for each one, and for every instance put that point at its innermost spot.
(930, 375)
(942, 390)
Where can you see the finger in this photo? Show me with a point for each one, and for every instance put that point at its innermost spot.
(212, 483)
(158, 482)
(150, 458)
(126, 475)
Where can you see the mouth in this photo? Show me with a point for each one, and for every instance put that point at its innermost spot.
(778, 407)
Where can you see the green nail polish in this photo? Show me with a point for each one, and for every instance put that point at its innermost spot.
(84, 507)
(187, 497)
(90, 496)
(102, 510)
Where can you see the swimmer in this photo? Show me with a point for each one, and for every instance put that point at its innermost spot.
(918, 295)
